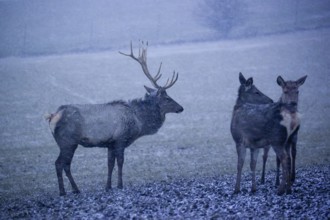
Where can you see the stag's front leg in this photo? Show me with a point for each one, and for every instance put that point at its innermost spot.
(111, 165)
(253, 164)
(120, 164)
(241, 151)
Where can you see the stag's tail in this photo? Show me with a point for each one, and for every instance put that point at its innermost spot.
(48, 116)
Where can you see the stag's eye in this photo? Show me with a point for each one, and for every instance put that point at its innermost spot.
(168, 98)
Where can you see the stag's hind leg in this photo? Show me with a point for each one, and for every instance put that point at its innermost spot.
(59, 172)
(63, 162)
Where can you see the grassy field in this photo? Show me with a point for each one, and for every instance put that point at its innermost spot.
(194, 143)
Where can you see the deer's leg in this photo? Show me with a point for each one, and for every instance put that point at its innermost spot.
(283, 157)
(241, 151)
(253, 164)
(289, 168)
(120, 164)
(68, 155)
(265, 157)
(111, 165)
(293, 154)
(59, 172)
(278, 166)
(63, 162)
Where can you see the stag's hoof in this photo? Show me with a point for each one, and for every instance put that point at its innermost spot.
(237, 191)
(77, 191)
(280, 192)
(289, 191)
(107, 189)
(253, 190)
(62, 193)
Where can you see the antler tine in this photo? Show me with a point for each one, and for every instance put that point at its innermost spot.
(158, 75)
(130, 55)
(173, 80)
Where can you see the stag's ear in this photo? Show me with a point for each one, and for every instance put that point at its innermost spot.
(280, 81)
(150, 90)
(301, 80)
(242, 79)
(249, 82)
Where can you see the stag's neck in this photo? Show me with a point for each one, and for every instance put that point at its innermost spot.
(149, 115)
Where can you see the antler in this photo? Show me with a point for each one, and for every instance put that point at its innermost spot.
(142, 60)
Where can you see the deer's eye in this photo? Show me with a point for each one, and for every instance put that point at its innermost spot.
(168, 98)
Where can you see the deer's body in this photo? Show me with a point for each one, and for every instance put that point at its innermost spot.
(101, 125)
(113, 125)
(258, 125)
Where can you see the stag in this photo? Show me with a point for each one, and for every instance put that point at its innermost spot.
(114, 125)
(258, 125)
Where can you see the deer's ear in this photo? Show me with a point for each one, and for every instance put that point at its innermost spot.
(301, 80)
(249, 82)
(149, 90)
(242, 79)
(280, 81)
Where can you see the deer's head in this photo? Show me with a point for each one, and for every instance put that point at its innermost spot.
(290, 90)
(248, 93)
(158, 94)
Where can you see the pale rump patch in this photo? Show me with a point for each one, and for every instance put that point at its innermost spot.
(54, 118)
(290, 121)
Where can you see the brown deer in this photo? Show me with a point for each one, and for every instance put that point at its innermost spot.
(114, 125)
(258, 125)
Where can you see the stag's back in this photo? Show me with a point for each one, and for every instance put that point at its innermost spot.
(97, 124)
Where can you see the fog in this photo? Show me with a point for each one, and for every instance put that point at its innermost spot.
(38, 27)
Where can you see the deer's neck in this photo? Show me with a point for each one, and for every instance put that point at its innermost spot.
(290, 107)
(149, 115)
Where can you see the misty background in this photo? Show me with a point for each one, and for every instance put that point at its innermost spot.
(38, 27)
(63, 52)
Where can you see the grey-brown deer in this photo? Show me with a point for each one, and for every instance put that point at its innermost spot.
(114, 125)
(258, 125)
(292, 88)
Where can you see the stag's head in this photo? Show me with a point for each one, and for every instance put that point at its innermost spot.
(158, 93)
(248, 93)
(290, 90)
